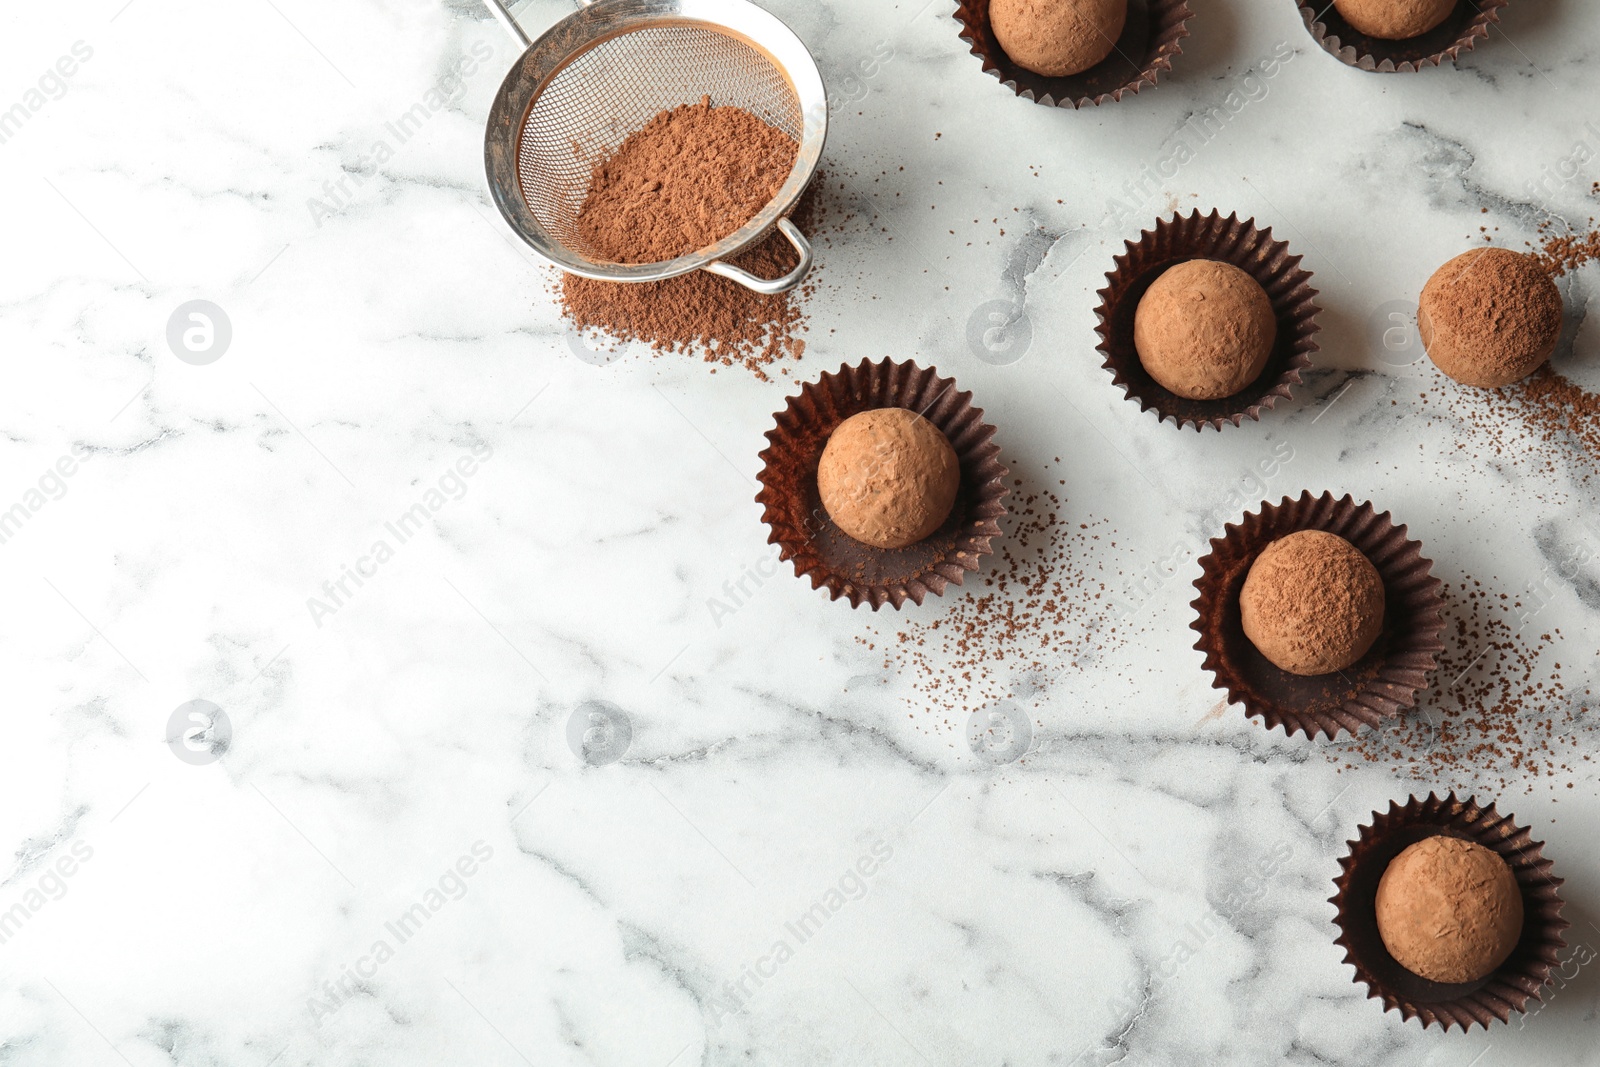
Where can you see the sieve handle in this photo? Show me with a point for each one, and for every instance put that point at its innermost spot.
(503, 15)
(770, 286)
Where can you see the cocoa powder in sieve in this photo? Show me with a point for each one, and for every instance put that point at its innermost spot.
(690, 177)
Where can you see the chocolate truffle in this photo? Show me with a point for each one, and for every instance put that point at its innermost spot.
(1394, 20)
(1204, 330)
(1057, 37)
(1449, 910)
(1489, 317)
(888, 477)
(1312, 603)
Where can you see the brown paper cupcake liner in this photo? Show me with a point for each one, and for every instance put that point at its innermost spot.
(1149, 40)
(1253, 251)
(1505, 990)
(799, 523)
(1459, 33)
(1382, 683)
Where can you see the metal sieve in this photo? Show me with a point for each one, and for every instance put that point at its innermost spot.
(601, 74)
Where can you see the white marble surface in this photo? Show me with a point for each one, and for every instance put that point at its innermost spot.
(1030, 915)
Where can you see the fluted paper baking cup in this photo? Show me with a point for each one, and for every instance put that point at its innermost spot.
(801, 526)
(1382, 683)
(1150, 39)
(1459, 33)
(1230, 240)
(1506, 989)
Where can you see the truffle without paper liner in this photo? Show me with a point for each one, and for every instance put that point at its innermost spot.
(1146, 47)
(1458, 33)
(1229, 240)
(1376, 687)
(1507, 988)
(800, 525)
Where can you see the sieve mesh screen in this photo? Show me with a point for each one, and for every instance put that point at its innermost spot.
(614, 88)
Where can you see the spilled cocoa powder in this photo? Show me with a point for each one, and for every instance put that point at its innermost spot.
(688, 178)
(701, 314)
(1043, 607)
(1499, 714)
(1560, 253)
(1545, 424)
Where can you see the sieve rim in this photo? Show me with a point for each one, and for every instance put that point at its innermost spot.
(603, 21)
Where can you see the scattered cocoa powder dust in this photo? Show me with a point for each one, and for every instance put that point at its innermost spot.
(1498, 715)
(688, 178)
(1561, 412)
(1559, 253)
(1042, 607)
(1542, 423)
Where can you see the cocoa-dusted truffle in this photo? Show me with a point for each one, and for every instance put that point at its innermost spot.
(1204, 330)
(1057, 37)
(1394, 20)
(1449, 910)
(1312, 603)
(1490, 317)
(888, 477)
